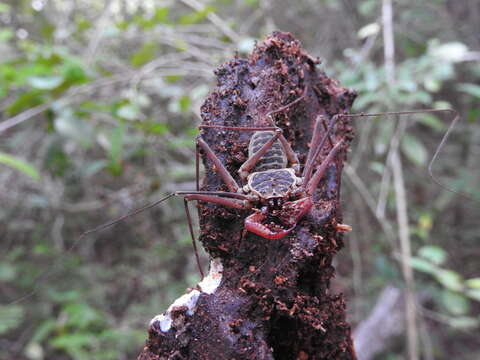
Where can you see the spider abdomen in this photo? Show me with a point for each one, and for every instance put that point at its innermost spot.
(274, 158)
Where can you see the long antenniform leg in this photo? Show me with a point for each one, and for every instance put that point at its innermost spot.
(454, 120)
(229, 199)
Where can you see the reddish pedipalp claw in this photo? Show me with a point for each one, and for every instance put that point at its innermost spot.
(254, 225)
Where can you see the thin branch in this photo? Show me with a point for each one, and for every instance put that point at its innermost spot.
(369, 200)
(23, 116)
(73, 94)
(214, 19)
(406, 252)
(97, 36)
(400, 192)
(388, 41)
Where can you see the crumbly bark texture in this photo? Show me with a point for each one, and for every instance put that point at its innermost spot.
(273, 299)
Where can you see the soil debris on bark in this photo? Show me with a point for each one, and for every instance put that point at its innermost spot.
(265, 299)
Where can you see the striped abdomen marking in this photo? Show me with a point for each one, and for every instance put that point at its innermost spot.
(272, 183)
(274, 158)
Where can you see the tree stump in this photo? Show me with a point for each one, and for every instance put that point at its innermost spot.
(265, 299)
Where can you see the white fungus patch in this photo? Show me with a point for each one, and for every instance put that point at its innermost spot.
(189, 300)
(211, 282)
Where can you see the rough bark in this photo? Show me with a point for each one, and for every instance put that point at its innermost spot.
(265, 299)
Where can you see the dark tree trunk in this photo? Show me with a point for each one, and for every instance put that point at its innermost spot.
(265, 299)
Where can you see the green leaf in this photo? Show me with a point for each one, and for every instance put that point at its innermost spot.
(74, 73)
(11, 317)
(367, 7)
(7, 272)
(433, 253)
(450, 279)
(423, 265)
(196, 16)
(82, 315)
(26, 100)
(473, 283)
(184, 103)
(78, 129)
(152, 127)
(414, 150)
(4, 8)
(43, 331)
(425, 222)
(19, 165)
(252, 3)
(144, 54)
(474, 294)
(94, 167)
(455, 303)
(75, 344)
(57, 161)
(115, 151)
(128, 112)
(432, 85)
(449, 52)
(463, 322)
(161, 15)
(432, 121)
(172, 78)
(46, 82)
(5, 35)
(471, 89)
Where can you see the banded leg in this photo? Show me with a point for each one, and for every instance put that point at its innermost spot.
(314, 141)
(226, 176)
(316, 146)
(313, 182)
(324, 125)
(291, 155)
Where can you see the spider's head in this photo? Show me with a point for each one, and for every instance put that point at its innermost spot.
(273, 186)
(274, 203)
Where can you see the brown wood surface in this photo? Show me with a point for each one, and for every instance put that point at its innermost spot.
(274, 300)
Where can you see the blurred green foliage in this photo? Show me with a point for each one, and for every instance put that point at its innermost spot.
(99, 103)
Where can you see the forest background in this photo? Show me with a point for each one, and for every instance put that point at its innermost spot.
(99, 104)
